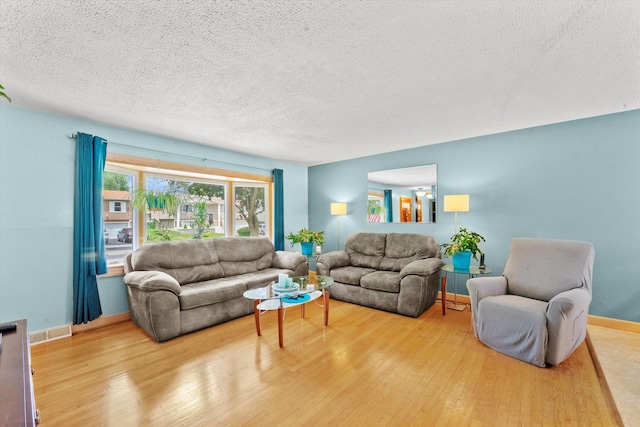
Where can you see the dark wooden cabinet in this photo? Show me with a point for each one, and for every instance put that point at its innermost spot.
(17, 404)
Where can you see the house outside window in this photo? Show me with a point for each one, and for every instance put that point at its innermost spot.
(118, 216)
(117, 206)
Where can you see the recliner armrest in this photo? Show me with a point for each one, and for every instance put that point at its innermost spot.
(566, 323)
(150, 281)
(482, 287)
(569, 301)
(422, 267)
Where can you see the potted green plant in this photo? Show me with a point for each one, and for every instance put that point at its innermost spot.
(376, 210)
(307, 239)
(165, 201)
(464, 244)
(148, 200)
(4, 95)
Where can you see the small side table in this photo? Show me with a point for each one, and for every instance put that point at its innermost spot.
(448, 268)
(309, 260)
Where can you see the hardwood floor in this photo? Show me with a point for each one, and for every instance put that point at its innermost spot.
(615, 354)
(367, 367)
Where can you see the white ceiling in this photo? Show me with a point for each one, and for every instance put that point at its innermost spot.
(318, 81)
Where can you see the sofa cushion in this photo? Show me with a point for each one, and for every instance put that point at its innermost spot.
(365, 249)
(187, 261)
(224, 289)
(194, 295)
(263, 277)
(386, 281)
(402, 248)
(240, 255)
(350, 275)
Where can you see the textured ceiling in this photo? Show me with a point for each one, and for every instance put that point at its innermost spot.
(318, 81)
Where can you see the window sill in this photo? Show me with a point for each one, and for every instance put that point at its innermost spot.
(114, 270)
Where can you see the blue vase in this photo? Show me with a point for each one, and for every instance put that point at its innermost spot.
(307, 248)
(462, 260)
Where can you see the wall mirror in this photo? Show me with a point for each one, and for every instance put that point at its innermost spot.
(406, 195)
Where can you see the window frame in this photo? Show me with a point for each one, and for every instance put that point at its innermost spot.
(141, 168)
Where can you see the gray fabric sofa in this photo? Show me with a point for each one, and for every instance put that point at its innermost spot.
(537, 310)
(179, 287)
(396, 272)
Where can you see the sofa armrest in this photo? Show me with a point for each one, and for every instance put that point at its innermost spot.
(150, 281)
(566, 323)
(330, 260)
(128, 268)
(287, 260)
(422, 267)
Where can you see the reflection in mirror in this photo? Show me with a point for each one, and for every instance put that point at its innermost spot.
(403, 195)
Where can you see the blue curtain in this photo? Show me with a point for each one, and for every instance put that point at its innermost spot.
(278, 210)
(88, 236)
(388, 205)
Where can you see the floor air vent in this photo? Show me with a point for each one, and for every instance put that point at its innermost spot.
(50, 334)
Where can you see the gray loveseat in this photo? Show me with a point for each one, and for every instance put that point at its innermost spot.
(396, 272)
(179, 287)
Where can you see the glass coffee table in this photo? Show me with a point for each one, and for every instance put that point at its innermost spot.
(271, 297)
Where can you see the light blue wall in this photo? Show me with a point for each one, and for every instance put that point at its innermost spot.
(577, 180)
(36, 207)
(574, 180)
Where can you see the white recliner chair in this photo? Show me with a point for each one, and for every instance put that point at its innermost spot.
(537, 310)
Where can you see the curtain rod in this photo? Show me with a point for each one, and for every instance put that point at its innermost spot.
(204, 159)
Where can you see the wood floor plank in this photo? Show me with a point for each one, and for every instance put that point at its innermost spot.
(367, 367)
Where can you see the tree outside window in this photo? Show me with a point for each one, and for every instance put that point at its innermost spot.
(249, 208)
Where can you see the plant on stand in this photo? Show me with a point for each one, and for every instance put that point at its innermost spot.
(464, 244)
(376, 211)
(4, 95)
(307, 239)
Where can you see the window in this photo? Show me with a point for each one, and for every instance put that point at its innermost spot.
(205, 209)
(201, 213)
(249, 209)
(375, 208)
(119, 220)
